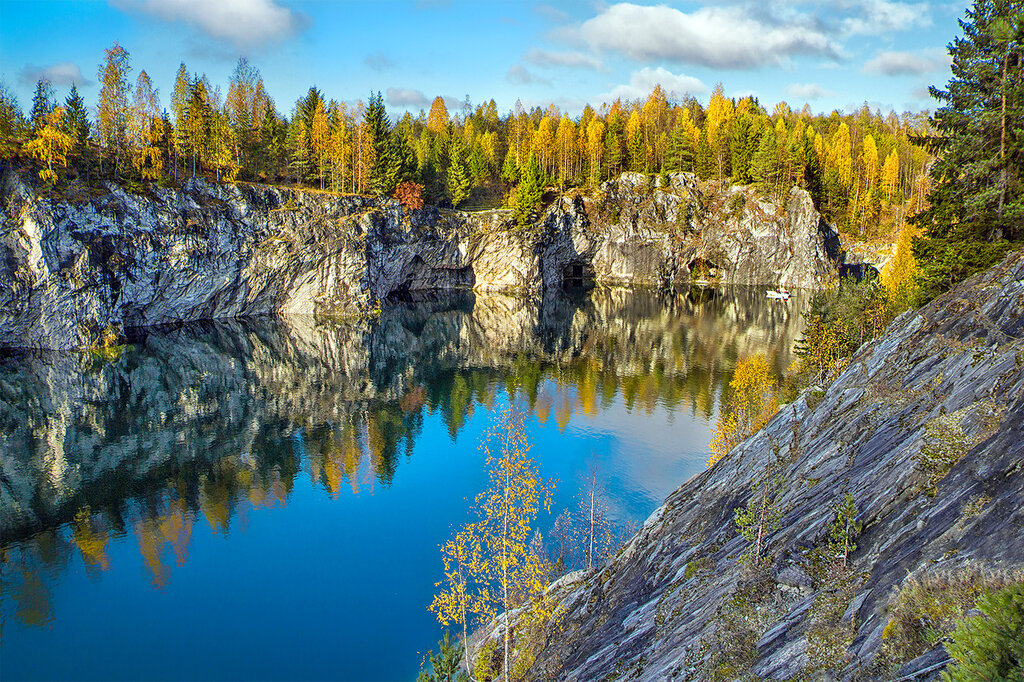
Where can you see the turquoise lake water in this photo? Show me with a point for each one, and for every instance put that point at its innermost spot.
(266, 499)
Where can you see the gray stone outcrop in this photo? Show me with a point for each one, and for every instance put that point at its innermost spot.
(72, 269)
(654, 611)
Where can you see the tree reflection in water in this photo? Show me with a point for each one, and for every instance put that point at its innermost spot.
(209, 422)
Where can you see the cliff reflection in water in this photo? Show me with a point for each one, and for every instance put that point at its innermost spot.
(208, 423)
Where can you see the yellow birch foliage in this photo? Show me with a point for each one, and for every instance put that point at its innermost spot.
(840, 154)
(717, 124)
(544, 144)
(748, 408)
(461, 595)
(149, 160)
(490, 564)
(51, 145)
(899, 273)
(869, 160)
(595, 148)
(565, 141)
(891, 175)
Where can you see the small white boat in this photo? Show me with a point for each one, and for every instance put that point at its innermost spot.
(779, 293)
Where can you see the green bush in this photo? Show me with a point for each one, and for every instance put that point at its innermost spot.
(928, 608)
(990, 646)
(944, 445)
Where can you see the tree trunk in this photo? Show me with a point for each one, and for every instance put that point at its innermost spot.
(1002, 141)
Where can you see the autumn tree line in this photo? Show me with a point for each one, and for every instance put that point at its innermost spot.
(862, 168)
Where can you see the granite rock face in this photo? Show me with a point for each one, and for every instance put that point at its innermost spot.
(72, 269)
(654, 611)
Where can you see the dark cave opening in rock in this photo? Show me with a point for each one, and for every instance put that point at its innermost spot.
(703, 270)
(577, 275)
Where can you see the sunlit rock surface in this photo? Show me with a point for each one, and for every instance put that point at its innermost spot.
(72, 269)
(960, 358)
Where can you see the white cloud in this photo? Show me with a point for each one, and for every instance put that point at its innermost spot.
(63, 74)
(643, 81)
(243, 23)
(907, 63)
(875, 17)
(716, 36)
(572, 60)
(518, 75)
(808, 91)
(379, 62)
(921, 92)
(406, 97)
(551, 13)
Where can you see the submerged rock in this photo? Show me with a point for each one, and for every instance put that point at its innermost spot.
(71, 270)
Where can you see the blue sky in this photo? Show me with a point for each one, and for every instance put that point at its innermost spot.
(832, 54)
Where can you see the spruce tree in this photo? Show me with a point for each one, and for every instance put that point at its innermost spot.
(384, 174)
(76, 124)
(458, 178)
(12, 124)
(529, 193)
(977, 199)
(42, 104)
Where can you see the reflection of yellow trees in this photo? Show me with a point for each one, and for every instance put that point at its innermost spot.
(33, 598)
(91, 541)
(176, 528)
(215, 501)
(563, 408)
(172, 528)
(586, 388)
(24, 571)
(151, 544)
(750, 405)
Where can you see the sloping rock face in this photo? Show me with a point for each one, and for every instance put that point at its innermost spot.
(659, 610)
(71, 270)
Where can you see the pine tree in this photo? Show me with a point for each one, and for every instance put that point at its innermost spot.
(744, 144)
(990, 646)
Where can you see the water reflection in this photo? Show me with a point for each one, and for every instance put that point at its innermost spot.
(208, 424)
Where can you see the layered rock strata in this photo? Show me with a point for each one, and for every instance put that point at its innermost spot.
(71, 270)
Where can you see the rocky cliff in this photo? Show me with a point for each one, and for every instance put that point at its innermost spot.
(677, 603)
(72, 269)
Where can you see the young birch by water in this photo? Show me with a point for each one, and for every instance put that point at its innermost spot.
(508, 508)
